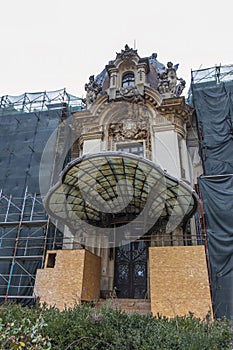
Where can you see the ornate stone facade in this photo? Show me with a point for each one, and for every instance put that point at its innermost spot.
(111, 80)
(137, 101)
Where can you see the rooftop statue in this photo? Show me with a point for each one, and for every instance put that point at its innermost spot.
(93, 90)
(168, 82)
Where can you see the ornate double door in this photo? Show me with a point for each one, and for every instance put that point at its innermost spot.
(131, 270)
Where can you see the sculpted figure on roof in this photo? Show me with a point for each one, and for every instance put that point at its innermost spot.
(168, 82)
(180, 87)
(93, 90)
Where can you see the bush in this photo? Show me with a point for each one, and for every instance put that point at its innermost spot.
(22, 328)
(86, 327)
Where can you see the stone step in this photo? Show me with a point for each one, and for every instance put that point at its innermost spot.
(141, 306)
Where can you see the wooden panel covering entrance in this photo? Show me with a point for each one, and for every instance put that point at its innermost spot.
(69, 276)
(179, 281)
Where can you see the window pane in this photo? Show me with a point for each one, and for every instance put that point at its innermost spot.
(134, 148)
(128, 80)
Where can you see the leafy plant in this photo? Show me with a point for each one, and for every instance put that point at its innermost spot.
(22, 328)
(88, 327)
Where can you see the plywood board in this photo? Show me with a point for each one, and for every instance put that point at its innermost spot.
(179, 281)
(67, 283)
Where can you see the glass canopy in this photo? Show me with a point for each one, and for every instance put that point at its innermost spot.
(114, 194)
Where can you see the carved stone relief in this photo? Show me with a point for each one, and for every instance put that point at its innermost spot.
(127, 54)
(128, 131)
(130, 93)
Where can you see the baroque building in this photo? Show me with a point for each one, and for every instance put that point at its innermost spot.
(98, 196)
(127, 194)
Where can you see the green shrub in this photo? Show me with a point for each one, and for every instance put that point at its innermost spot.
(22, 328)
(87, 327)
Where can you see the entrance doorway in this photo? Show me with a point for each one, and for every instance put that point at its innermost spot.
(131, 270)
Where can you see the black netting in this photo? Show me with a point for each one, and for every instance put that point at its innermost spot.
(212, 97)
(214, 110)
(217, 194)
(26, 124)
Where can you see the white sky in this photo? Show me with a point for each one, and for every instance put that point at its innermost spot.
(55, 44)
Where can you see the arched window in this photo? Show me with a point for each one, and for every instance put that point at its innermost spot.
(128, 79)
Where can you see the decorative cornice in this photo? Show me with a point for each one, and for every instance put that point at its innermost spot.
(153, 97)
(90, 136)
(176, 111)
(163, 127)
(176, 103)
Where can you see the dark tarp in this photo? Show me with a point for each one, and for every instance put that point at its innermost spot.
(214, 110)
(217, 196)
(23, 136)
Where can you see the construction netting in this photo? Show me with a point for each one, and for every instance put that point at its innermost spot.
(214, 109)
(212, 96)
(27, 121)
(26, 124)
(217, 195)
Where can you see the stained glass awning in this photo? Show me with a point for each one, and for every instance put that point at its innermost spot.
(102, 191)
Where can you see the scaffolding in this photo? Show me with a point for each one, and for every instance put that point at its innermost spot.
(215, 75)
(39, 101)
(25, 234)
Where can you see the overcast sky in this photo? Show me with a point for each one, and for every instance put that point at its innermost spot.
(55, 44)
